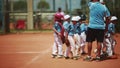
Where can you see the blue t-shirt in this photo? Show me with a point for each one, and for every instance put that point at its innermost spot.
(97, 13)
(111, 28)
(66, 25)
(71, 30)
(83, 27)
(77, 28)
(57, 26)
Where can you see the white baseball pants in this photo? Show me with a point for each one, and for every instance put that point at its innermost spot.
(77, 39)
(73, 46)
(68, 48)
(83, 41)
(110, 43)
(57, 46)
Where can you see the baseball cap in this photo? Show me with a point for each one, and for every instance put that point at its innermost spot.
(101, 1)
(66, 17)
(113, 18)
(83, 17)
(78, 18)
(74, 18)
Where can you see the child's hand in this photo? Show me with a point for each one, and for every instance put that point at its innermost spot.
(59, 34)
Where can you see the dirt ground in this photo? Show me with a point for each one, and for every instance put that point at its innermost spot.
(33, 50)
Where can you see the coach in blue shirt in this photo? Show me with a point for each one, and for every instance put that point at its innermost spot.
(96, 27)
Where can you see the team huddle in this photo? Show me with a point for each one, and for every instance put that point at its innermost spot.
(74, 32)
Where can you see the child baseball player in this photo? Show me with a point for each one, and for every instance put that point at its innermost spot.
(58, 36)
(71, 38)
(109, 39)
(108, 48)
(66, 25)
(77, 37)
(83, 28)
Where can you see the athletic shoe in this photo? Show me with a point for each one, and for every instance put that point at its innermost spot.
(71, 57)
(78, 56)
(97, 59)
(88, 58)
(75, 58)
(83, 53)
(67, 57)
(53, 55)
(59, 56)
(104, 56)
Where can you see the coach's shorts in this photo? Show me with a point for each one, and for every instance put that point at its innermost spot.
(95, 34)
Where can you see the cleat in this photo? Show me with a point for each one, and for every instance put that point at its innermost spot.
(88, 59)
(75, 58)
(53, 55)
(97, 59)
(60, 56)
(67, 57)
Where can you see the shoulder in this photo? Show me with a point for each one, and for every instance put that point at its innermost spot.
(62, 13)
(70, 25)
(91, 3)
(111, 23)
(56, 23)
(82, 24)
(64, 23)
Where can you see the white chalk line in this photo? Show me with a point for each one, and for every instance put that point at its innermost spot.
(41, 54)
(38, 56)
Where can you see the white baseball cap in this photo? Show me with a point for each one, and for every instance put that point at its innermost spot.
(78, 18)
(101, 1)
(74, 18)
(66, 17)
(113, 18)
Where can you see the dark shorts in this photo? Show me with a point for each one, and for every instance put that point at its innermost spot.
(95, 34)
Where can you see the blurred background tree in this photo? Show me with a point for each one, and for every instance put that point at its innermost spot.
(43, 5)
(84, 6)
(49, 6)
(20, 5)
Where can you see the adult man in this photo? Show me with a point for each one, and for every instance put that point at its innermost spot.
(96, 27)
(59, 15)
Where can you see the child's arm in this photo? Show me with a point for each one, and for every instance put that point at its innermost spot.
(56, 31)
(107, 22)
